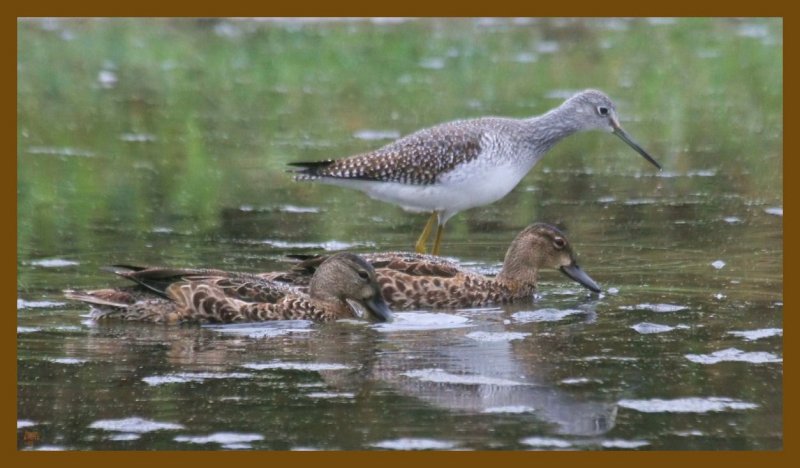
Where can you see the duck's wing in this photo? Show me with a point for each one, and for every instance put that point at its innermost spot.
(409, 263)
(211, 301)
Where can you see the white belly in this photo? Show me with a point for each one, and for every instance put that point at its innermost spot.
(475, 184)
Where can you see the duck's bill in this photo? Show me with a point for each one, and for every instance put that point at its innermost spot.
(378, 309)
(575, 273)
(623, 135)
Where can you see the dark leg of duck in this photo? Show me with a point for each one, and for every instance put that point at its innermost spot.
(438, 242)
(426, 233)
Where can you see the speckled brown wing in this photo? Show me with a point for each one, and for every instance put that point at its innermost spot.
(204, 301)
(415, 264)
(405, 291)
(415, 159)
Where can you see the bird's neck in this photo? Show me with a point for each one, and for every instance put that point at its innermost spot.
(518, 272)
(545, 130)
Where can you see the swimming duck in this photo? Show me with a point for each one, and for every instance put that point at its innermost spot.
(342, 284)
(413, 281)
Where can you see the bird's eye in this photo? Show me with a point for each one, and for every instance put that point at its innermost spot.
(602, 110)
(363, 274)
(559, 242)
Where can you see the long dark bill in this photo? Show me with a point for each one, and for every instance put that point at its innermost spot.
(378, 308)
(623, 135)
(575, 273)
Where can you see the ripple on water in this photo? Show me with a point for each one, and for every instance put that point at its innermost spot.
(185, 377)
(23, 423)
(733, 354)
(417, 321)
(407, 443)
(544, 315)
(752, 335)
(686, 405)
(442, 376)
(134, 425)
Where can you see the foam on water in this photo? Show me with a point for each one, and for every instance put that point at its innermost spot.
(67, 360)
(301, 366)
(546, 442)
(441, 376)
(686, 405)
(23, 304)
(125, 436)
(544, 315)
(647, 328)
(53, 263)
(185, 377)
(330, 245)
(733, 354)
(331, 395)
(405, 321)
(496, 336)
(660, 308)
(752, 335)
(228, 440)
(513, 409)
(624, 444)
(406, 443)
(135, 425)
(265, 329)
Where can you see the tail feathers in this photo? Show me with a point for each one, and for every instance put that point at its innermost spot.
(98, 298)
(103, 306)
(310, 170)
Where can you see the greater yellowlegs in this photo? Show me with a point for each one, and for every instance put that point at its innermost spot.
(342, 287)
(465, 163)
(413, 281)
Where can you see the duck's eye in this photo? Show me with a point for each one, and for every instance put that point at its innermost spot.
(363, 274)
(602, 110)
(559, 242)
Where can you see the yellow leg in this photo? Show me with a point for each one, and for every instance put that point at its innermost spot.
(426, 233)
(438, 242)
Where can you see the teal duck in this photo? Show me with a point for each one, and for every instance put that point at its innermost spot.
(342, 286)
(414, 281)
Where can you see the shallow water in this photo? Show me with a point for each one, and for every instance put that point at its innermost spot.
(166, 142)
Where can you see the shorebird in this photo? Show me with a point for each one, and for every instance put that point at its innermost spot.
(465, 163)
(414, 281)
(342, 287)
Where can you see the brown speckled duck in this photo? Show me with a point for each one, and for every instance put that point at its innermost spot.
(414, 281)
(340, 285)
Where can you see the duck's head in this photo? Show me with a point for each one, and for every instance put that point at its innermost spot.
(347, 278)
(541, 245)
